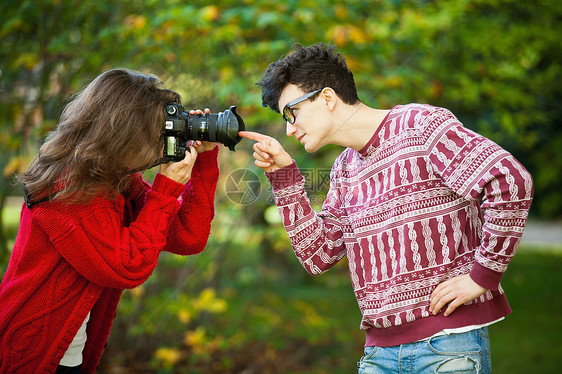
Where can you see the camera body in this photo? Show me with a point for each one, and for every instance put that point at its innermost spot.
(180, 128)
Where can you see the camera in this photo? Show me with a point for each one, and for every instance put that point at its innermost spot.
(181, 128)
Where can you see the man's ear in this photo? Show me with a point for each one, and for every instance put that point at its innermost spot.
(328, 95)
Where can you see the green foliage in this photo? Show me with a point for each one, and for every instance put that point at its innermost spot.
(494, 63)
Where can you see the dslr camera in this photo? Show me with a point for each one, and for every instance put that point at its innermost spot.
(181, 128)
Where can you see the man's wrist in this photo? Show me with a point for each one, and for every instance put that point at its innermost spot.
(284, 161)
(285, 176)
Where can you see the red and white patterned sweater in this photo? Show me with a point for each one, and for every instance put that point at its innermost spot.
(424, 201)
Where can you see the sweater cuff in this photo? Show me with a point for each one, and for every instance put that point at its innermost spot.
(167, 186)
(207, 160)
(485, 277)
(285, 177)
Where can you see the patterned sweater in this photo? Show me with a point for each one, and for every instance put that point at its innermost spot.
(69, 260)
(425, 200)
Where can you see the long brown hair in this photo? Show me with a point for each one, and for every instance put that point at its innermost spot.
(111, 127)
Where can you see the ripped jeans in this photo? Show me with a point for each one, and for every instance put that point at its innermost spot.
(467, 352)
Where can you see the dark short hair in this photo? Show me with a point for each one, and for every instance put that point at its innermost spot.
(310, 68)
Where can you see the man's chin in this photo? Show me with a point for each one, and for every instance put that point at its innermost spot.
(310, 149)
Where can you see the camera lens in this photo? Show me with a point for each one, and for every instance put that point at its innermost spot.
(180, 128)
(229, 123)
(222, 127)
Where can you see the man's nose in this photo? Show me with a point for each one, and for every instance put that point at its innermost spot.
(291, 129)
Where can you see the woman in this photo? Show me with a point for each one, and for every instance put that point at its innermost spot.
(91, 227)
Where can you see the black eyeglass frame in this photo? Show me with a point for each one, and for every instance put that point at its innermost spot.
(288, 114)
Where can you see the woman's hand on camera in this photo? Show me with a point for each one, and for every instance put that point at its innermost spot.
(181, 171)
(202, 146)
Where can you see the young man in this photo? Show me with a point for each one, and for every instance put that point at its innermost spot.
(428, 213)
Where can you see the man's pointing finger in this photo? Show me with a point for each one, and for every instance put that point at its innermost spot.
(256, 136)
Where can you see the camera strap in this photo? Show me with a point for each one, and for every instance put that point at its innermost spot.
(163, 160)
(29, 203)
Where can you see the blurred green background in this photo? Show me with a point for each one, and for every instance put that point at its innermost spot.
(245, 305)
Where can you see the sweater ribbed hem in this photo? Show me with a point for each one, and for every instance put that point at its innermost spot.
(465, 315)
(485, 277)
(207, 160)
(167, 186)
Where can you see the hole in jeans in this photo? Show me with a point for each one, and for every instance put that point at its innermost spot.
(458, 365)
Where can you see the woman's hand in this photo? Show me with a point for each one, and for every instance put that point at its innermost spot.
(202, 146)
(181, 171)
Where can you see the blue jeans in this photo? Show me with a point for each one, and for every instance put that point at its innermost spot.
(467, 352)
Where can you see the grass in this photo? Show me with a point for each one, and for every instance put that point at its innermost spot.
(530, 339)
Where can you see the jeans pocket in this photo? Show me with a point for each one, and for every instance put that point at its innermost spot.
(483, 333)
(369, 353)
(467, 352)
(468, 343)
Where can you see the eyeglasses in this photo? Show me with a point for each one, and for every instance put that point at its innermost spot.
(288, 114)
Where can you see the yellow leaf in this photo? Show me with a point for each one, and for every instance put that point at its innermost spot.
(339, 35)
(206, 296)
(217, 306)
(208, 301)
(357, 35)
(15, 166)
(195, 338)
(184, 316)
(394, 81)
(227, 73)
(340, 12)
(137, 292)
(353, 64)
(135, 22)
(210, 13)
(169, 356)
(170, 57)
(29, 60)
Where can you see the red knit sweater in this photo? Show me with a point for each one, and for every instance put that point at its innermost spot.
(425, 200)
(69, 260)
